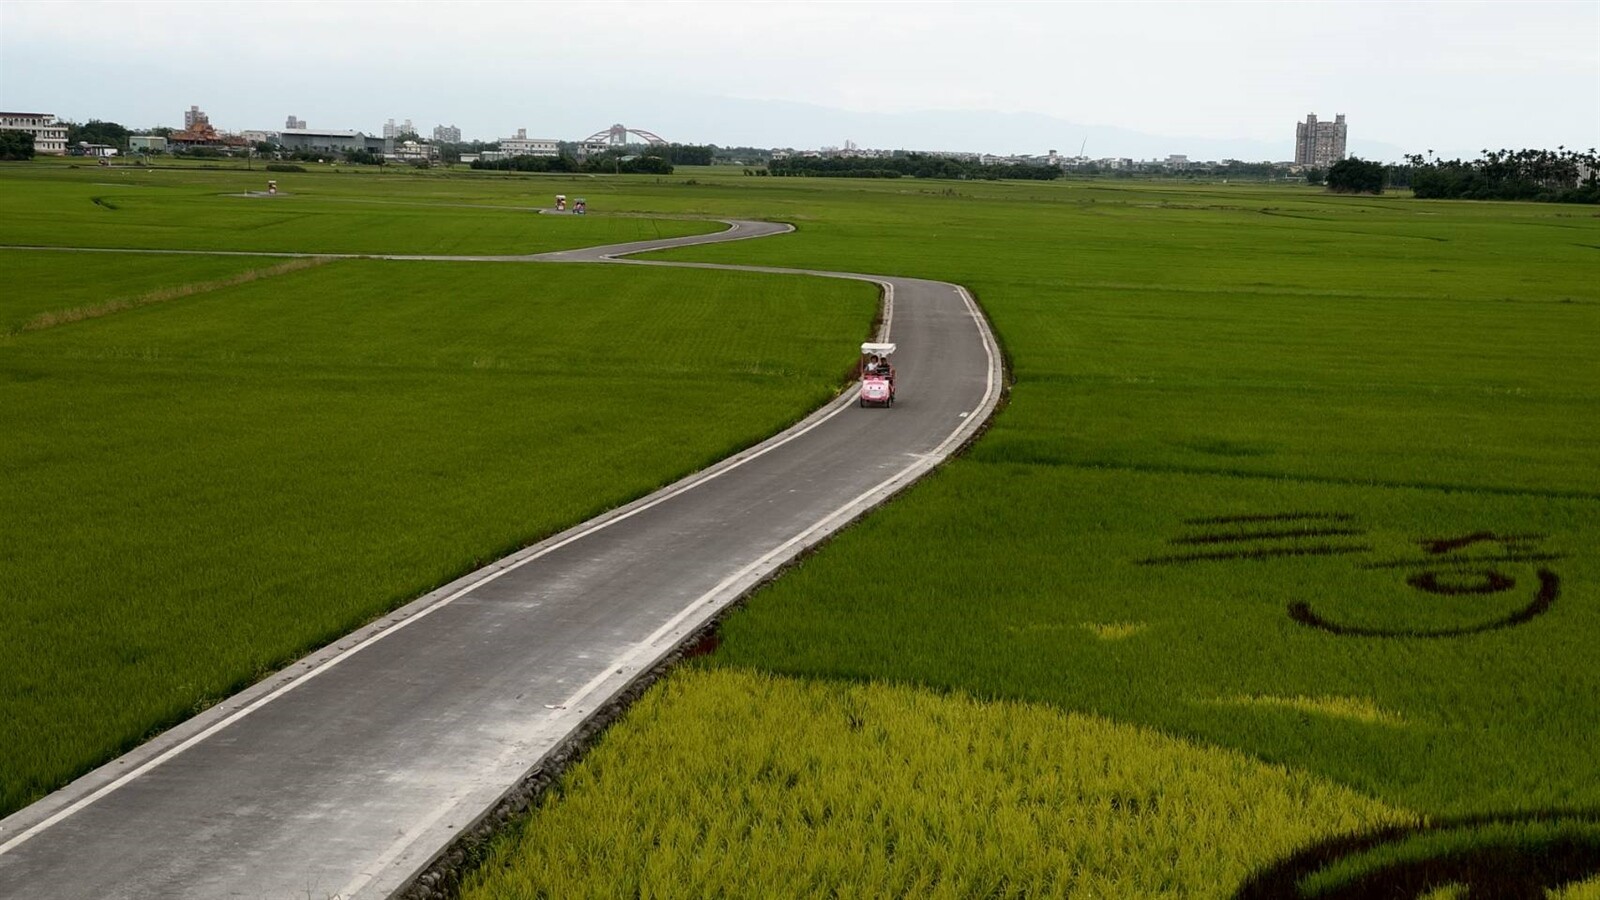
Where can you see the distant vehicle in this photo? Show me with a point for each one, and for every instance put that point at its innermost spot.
(877, 375)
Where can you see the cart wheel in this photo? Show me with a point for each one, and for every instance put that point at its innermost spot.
(862, 401)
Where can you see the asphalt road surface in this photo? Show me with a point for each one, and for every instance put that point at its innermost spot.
(349, 772)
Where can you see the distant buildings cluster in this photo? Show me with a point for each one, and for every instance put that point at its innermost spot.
(1317, 144)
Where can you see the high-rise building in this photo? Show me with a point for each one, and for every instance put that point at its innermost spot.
(447, 134)
(1319, 144)
(194, 118)
(294, 122)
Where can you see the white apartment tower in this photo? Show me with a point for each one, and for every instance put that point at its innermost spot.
(1319, 144)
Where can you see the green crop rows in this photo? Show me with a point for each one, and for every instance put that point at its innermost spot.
(1305, 478)
(252, 457)
(1274, 577)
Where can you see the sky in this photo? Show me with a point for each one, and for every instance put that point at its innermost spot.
(1136, 79)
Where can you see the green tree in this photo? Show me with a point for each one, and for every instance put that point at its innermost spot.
(16, 145)
(685, 154)
(1356, 176)
(97, 132)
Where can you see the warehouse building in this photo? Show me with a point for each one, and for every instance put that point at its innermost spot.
(321, 141)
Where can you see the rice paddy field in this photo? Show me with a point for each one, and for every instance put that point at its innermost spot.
(327, 212)
(1298, 479)
(214, 464)
(1275, 577)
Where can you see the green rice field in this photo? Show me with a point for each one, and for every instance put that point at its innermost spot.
(255, 457)
(1305, 478)
(178, 209)
(1274, 577)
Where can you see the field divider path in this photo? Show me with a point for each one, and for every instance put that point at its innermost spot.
(349, 772)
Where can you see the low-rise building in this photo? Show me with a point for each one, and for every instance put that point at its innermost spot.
(199, 132)
(145, 143)
(522, 145)
(49, 136)
(324, 141)
(84, 148)
(414, 152)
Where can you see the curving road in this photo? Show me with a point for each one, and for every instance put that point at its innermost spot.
(349, 772)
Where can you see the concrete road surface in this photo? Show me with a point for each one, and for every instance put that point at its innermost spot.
(349, 772)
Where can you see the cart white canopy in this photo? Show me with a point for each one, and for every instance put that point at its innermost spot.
(877, 349)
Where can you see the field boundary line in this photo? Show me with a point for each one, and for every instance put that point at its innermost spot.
(56, 318)
(572, 254)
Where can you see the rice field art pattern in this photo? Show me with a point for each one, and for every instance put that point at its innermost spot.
(1527, 856)
(1476, 574)
(1466, 572)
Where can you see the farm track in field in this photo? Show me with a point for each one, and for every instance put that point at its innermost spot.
(349, 772)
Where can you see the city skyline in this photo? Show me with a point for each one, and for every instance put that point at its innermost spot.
(1308, 149)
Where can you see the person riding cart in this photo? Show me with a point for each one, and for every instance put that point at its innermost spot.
(877, 375)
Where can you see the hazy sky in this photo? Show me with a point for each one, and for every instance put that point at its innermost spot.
(1453, 77)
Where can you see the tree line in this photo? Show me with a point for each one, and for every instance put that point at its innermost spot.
(1559, 176)
(914, 165)
(608, 163)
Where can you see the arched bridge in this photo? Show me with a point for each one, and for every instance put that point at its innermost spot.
(617, 136)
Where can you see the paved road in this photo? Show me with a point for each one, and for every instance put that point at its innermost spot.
(349, 772)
